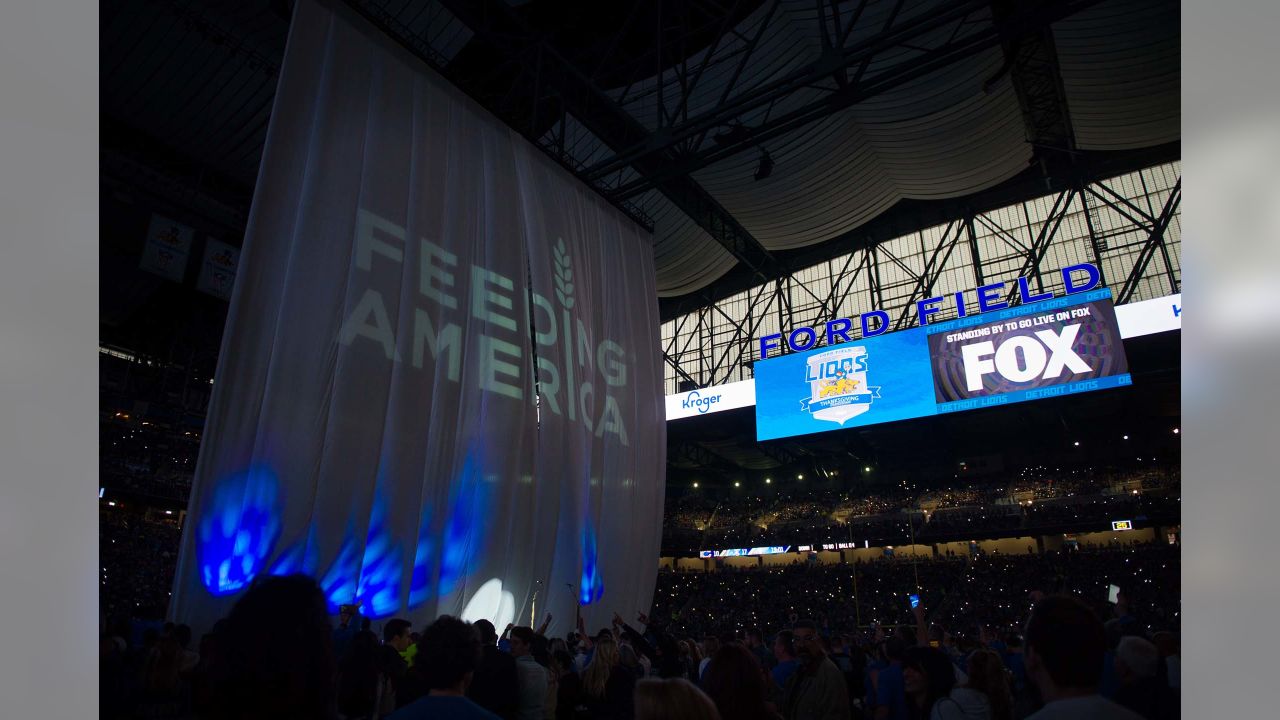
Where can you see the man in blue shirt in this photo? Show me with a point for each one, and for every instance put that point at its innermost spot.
(891, 697)
(448, 655)
(784, 649)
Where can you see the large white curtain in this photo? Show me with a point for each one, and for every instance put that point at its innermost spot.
(440, 385)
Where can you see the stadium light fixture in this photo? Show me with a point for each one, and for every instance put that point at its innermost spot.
(1126, 437)
(768, 481)
(765, 168)
(1077, 443)
(799, 477)
(737, 484)
(866, 469)
(695, 483)
(1175, 431)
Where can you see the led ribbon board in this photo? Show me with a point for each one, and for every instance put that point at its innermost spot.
(745, 552)
(1045, 349)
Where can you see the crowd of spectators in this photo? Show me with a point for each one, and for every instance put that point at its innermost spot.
(137, 560)
(835, 596)
(1032, 499)
(996, 639)
(991, 518)
(1148, 574)
(140, 457)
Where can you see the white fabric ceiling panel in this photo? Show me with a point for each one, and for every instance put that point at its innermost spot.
(936, 137)
(1120, 66)
(686, 258)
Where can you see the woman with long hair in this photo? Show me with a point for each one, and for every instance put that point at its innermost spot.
(607, 685)
(988, 676)
(691, 655)
(673, 699)
(736, 684)
(929, 679)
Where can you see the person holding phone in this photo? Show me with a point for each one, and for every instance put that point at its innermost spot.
(1065, 644)
(349, 623)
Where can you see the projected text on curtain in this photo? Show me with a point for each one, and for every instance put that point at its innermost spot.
(440, 378)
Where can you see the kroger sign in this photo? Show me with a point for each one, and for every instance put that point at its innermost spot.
(713, 399)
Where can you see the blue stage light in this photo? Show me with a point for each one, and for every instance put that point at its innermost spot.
(463, 543)
(300, 558)
(339, 581)
(379, 589)
(238, 530)
(420, 582)
(591, 586)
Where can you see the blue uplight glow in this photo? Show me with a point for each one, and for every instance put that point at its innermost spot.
(300, 558)
(420, 582)
(379, 589)
(238, 530)
(339, 581)
(591, 586)
(463, 535)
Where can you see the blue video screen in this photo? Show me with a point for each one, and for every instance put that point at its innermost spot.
(1051, 348)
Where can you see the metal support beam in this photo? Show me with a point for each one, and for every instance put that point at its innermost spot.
(521, 54)
(1095, 242)
(779, 453)
(969, 38)
(1031, 61)
(974, 257)
(1154, 241)
(1026, 243)
(932, 271)
(495, 23)
(1044, 238)
(701, 457)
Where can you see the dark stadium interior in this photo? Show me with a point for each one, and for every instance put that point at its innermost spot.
(187, 92)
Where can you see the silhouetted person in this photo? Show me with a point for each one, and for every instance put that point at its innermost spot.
(736, 683)
(397, 642)
(816, 690)
(1064, 650)
(607, 686)
(275, 656)
(533, 679)
(673, 699)
(360, 682)
(448, 655)
(1142, 690)
(496, 684)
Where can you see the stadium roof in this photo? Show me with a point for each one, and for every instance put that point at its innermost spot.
(754, 137)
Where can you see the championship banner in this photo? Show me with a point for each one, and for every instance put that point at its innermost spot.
(440, 385)
(1042, 349)
(218, 271)
(167, 247)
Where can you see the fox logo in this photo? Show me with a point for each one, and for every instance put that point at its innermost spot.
(1023, 358)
